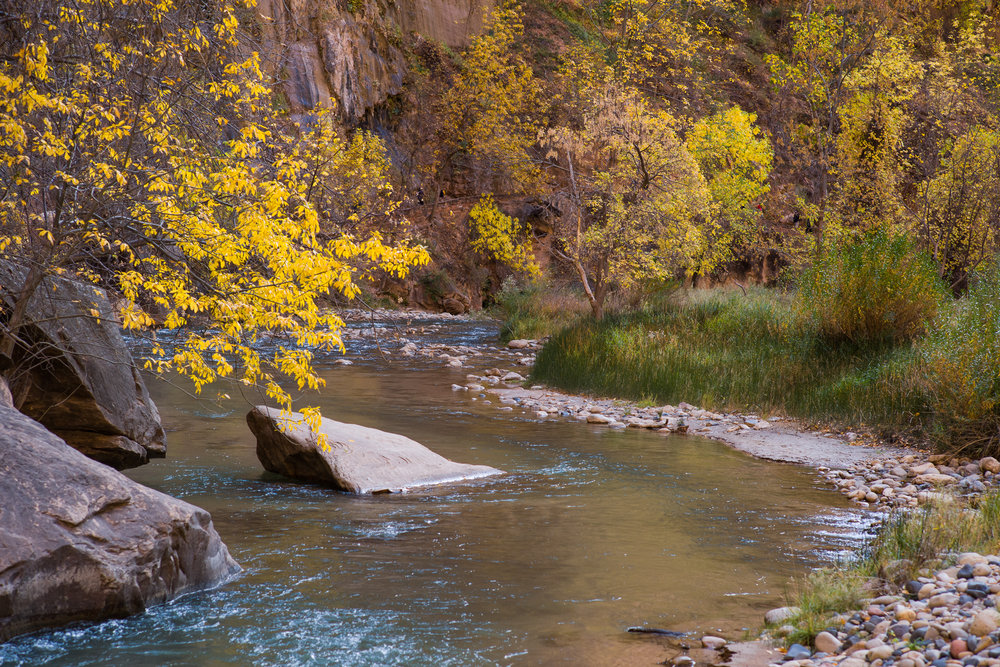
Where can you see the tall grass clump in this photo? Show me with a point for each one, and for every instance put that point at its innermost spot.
(535, 310)
(961, 356)
(874, 289)
(820, 595)
(911, 541)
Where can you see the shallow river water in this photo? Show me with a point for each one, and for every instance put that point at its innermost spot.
(592, 531)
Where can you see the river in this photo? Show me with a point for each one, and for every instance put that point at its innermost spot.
(592, 531)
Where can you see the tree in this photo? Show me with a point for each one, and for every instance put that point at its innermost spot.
(665, 47)
(488, 117)
(634, 205)
(139, 150)
(959, 216)
(736, 158)
(827, 45)
(501, 237)
(871, 159)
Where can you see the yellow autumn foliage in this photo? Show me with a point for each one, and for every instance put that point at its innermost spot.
(138, 146)
(501, 237)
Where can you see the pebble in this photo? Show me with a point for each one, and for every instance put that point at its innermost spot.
(827, 643)
(781, 614)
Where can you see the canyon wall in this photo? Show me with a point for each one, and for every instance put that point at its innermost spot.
(352, 54)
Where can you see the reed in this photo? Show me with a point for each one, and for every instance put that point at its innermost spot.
(726, 351)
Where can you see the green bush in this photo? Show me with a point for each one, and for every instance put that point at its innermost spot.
(961, 357)
(874, 289)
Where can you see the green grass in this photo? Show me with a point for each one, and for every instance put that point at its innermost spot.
(820, 595)
(536, 310)
(727, 351)
(908, 543)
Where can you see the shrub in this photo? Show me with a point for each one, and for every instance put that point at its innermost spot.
(874, 289)
(961, 357)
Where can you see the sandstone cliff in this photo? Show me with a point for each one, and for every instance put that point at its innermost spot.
(351, 54)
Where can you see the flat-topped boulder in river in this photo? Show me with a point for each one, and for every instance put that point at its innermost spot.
(357, 459)
(82, 542)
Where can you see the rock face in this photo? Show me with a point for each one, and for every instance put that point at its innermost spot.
(80, 541)
(324, 52)
(359, 459)
(77, 377)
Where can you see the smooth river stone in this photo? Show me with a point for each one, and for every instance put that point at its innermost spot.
(827, 643)
(357, 459)
(781, 614)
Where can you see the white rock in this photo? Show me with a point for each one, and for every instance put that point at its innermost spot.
(942, 600)
(971, 558)
(989, 464)
(635, 422)
(714, 643)
(935, 479)
(984, 623)
(780, 614)
(519, 344)
(922, 469)
(827, 643)
(356, 459)
(598, 418)
(458, 387)
(880, 652)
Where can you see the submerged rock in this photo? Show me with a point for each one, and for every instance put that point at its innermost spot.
(76, 376)
(357, 459)
(82, 542)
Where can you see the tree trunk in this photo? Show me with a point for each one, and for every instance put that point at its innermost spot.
(9, 337)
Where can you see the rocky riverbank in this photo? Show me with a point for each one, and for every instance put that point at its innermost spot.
(947, 619)
(870, 474)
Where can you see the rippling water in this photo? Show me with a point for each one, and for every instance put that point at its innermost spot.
(591, 532)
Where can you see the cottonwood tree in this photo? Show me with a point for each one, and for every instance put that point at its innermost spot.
(633, 205)
(959, 215)
(828, 43)
(139, 149)
(665, 48)
(736, 158)
(489, 116)
(501, 237)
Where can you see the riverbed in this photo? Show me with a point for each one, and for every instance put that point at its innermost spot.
(591, 532)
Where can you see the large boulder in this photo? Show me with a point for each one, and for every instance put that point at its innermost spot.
(357, 459)
(80, 541)
(76, 376)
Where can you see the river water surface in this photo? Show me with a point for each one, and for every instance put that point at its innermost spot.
(592, 531)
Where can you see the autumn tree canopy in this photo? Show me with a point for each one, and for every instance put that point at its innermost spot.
(139, 149)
